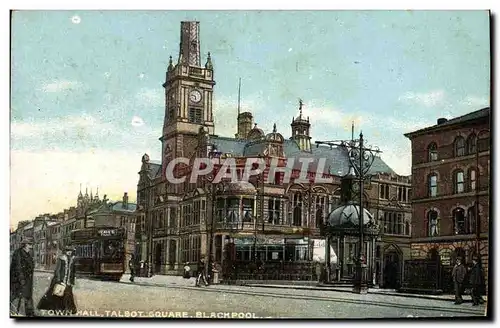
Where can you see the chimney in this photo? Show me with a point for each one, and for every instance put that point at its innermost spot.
(125, 201)
(441, 120)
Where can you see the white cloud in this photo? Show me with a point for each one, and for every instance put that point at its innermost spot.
(137, 121)
(150, 97)
(225, 111)
(474, 101)
(49, 181)
(397, 156)
(60, 125)
(428, 99)
(60, 85)
(76, 19)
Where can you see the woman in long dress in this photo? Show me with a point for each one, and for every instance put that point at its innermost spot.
(64, 275)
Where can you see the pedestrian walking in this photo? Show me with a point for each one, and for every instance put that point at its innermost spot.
(187, 271)
(458, 274)
(131, 266)
(201, 273)
(476, 282)
(59, 296)
(22, 269)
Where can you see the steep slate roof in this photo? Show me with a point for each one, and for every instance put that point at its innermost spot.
(154, 169)
(337, 161)
(118, 206)
(482, 113)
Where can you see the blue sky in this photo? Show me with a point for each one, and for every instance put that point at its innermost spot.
(87, 100)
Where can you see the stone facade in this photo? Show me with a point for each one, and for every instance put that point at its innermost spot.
(179, 223)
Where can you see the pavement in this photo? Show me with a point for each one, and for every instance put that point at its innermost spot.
(178, 281)
(163, 280)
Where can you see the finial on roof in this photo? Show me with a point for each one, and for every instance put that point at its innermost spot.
(170, 64)
(209, 65)
(301, 103)
(255, 125)
(274, 128)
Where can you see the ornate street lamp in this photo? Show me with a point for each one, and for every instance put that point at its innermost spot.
(361, 159)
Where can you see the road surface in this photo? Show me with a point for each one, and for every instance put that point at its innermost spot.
(125, 300)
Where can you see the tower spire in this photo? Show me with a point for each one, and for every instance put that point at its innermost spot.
(190, 44)
(239, 96)
(352, 131)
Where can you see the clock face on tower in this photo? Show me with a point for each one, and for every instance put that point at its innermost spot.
(195, 96)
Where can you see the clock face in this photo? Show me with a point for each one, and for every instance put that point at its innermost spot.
(195, 96)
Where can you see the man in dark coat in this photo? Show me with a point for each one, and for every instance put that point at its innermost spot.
(201, 273)
(22, 269)
(131, 266)
(476, 281)
(458, 274)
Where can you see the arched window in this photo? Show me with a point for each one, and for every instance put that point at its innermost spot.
(432, 183)
(297, 210)
(458, 182)
(472, 179)
(432, 152)
(459, 146)
(471, 217)
(459, 222)
(433, 223)
(320, 209)
(471, 144)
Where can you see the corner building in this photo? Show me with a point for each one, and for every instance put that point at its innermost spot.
(263, 220)
(451, 174)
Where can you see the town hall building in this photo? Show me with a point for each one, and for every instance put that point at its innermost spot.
(266, 220)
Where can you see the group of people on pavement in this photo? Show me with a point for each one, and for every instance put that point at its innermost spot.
(59, 295)
(203, 267)
(461, 276)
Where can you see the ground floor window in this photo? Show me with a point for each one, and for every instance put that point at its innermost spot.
(270, 253)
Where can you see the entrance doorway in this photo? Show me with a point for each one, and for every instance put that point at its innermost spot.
(157, 258)
(171, 255)
(392, 270)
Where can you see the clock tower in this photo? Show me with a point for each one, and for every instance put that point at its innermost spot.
(188, 97)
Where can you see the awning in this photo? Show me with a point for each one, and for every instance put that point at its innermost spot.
(319, 251)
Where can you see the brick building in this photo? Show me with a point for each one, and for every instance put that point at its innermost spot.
(273, 221)
(451, 174)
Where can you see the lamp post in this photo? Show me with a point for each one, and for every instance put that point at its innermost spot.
(361, 159)
(259, 215)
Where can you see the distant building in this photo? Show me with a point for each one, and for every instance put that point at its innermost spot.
(451, 175)
(52, 232)
(118, 214)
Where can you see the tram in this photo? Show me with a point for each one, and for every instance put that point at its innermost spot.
(100, 252)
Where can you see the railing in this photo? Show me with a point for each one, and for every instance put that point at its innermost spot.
(244, 270)
(422, 274)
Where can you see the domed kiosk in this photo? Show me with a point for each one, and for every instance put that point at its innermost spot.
(342, 231)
